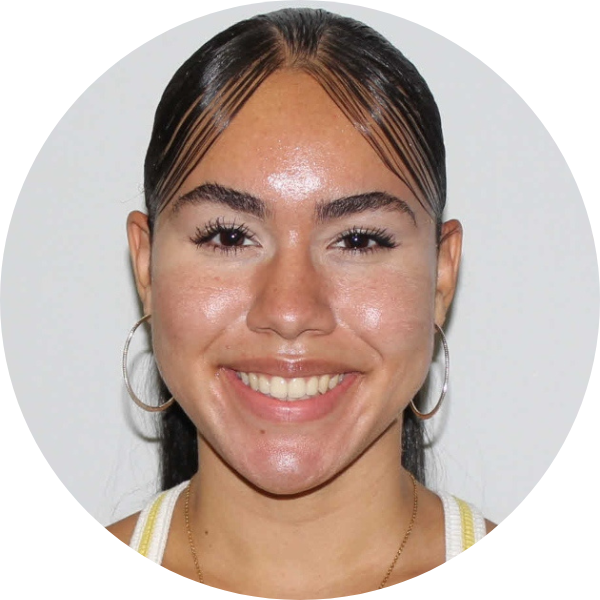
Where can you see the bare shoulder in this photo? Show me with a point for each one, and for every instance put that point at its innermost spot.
(123, 529)
(489, 526)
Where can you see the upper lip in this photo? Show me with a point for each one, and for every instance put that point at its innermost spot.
(290, 368)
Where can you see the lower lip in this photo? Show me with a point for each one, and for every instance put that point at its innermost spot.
(295, 411)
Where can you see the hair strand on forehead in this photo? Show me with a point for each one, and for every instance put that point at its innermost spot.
(373, 84)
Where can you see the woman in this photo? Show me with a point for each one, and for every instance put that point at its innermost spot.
(295, 269)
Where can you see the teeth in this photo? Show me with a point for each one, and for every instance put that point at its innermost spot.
(323, 385)
(312, 386)
(333, 381)
(253, 381)
(264, 384)
(278, 388)
(297, 388)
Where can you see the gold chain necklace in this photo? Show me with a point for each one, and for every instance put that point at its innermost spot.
(381, 585)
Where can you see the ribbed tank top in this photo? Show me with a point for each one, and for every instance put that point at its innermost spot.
(464, 524)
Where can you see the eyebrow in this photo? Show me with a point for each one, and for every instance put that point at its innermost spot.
(350, 205)
(218, 194)
(324, 211)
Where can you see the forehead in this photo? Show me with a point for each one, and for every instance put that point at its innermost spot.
(291, 139)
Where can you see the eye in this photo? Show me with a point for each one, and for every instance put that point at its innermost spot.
(358, 241)
(364, 240)
(223, 236)
(230, 237)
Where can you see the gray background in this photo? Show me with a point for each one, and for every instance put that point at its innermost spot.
(522, 333)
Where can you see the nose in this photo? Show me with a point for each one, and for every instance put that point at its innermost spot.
(291, 298)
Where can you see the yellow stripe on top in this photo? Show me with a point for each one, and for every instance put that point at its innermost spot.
(149, 528)
(467, 524)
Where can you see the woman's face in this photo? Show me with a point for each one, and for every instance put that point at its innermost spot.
(291, 263)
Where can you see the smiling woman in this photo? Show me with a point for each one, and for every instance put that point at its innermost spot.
(294, 268)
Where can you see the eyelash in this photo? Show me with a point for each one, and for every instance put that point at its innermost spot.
(382, 237)
(204, 235)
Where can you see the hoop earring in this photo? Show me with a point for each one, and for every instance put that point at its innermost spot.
(432, 412)
(126, 377)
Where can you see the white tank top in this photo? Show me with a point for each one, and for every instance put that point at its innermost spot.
(464, 524)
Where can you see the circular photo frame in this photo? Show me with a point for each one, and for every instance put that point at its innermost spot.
(522, 332)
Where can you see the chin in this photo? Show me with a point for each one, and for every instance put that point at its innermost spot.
(286, 469)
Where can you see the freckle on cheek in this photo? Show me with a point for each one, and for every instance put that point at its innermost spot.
(186, 296)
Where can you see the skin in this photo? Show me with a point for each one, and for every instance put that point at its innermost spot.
(312, 508)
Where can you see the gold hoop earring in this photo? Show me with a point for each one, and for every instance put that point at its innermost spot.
(432, 412)
(126, 376)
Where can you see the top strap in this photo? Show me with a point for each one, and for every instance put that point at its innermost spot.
(152, 528)
(464, 524)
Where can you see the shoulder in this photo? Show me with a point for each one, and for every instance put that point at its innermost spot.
(458, 511)
(147, 530)
(123, 529)
(489, 526)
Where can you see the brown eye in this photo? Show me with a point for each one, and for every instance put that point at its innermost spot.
(224, 238)
(361, 241)
(231, 237)
(356, 241)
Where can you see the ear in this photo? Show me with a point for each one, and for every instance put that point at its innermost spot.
(138, 235)
(449, 253)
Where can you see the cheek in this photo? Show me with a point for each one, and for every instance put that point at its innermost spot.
(391, 309)
(191, 310)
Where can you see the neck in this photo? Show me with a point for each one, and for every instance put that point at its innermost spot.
(336, 540)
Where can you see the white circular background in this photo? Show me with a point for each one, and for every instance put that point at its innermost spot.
(522, 333)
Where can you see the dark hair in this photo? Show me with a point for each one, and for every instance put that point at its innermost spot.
(372, 83)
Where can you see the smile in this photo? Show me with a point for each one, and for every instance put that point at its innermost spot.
(297, 388)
